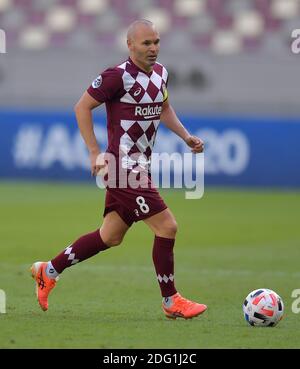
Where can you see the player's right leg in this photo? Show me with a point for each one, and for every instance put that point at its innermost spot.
(46, 274)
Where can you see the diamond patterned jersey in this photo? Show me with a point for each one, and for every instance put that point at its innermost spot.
(134, 102)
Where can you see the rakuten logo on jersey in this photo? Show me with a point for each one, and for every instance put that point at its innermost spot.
(148, 111)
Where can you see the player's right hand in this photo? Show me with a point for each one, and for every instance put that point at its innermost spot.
(97, 163)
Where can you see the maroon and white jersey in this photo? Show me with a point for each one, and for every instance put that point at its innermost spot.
(134, 102)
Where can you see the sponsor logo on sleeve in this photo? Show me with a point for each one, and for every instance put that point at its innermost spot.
(97, 82)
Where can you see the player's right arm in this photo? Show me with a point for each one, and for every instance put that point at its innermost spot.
(107, 86)
(83, 110)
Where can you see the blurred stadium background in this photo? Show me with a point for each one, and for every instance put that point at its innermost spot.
(233, 78)
(234, 81)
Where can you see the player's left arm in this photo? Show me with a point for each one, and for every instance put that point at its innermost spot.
(171, 121)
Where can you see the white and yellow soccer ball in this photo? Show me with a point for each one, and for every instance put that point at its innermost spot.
(263, 308)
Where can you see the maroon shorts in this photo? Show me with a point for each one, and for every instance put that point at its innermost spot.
(133, 204)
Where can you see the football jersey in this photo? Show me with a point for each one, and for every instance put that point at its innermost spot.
(133, 100)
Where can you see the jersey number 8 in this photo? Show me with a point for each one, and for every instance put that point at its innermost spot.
(140, 200)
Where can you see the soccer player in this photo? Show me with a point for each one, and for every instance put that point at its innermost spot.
(136, 98)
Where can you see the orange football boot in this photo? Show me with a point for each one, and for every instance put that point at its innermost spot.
(44, 284)
(179, 307)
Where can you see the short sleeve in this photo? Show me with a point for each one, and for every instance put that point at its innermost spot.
(106, 86)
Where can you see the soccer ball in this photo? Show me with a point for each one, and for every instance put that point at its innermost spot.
(263, 308)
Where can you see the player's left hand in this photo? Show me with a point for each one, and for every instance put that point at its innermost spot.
(195, 143)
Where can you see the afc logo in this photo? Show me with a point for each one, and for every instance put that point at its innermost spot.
(2, 42)
(296, 43)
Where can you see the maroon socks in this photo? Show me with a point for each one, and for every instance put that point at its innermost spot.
(91, 243)
(163, 259)
(82, 249)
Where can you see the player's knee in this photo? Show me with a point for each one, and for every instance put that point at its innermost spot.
(114, 241)
(168, 229)
(172, 228)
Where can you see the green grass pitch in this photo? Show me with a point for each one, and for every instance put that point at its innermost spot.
(229, 243)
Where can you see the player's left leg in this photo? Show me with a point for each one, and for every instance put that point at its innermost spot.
(164, 226)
